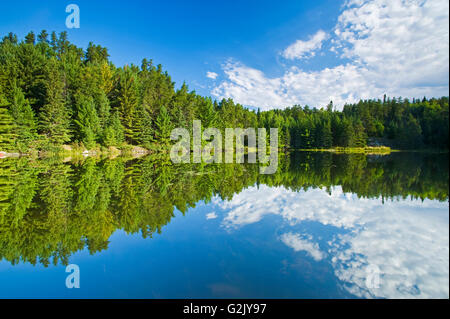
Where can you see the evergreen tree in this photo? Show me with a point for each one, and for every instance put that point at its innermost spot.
(127, 97)
(54, 117)
(7, 127)
(113, 135)
(24, 120)
(30, 38)
(43, 37)
(147, 136)
(346, 133)
(410, 133)
(86, 121)
(325, 137)
(360, 136)
(163, 126)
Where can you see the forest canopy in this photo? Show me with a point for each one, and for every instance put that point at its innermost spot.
(54, 93)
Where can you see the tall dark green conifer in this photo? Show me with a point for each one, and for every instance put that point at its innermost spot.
(127, 96)
(7, 127)
(24, 120)
(163, 126)
(86, 121)
(54, 118)
(30, 38)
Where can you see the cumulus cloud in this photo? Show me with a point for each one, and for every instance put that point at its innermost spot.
(298, 243)
(211, 75)
(303, 49)
(395, 47)
(211, 215)
(406, 240)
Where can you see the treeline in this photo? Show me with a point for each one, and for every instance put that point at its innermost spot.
(50, 209)
(395, 122)
(53, 93)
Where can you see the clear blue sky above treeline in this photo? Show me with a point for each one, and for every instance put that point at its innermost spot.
(266, 53)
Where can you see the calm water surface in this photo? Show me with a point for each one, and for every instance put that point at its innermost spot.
(323, 226)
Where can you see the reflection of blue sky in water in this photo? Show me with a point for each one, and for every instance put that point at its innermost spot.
(408, 240)
(263, 243)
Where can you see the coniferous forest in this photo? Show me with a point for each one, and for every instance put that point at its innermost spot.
(50, 209)
(53, 93)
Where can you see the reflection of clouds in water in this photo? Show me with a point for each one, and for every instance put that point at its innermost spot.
(252, 204)
(303, 243)
(408, 239)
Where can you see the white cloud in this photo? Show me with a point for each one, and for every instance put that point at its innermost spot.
(211, 75)
(395, 47)
(211, 215)
(408, 240)
(298, 243)
(304, 49)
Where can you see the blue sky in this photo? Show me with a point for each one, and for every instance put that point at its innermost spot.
(266, 53)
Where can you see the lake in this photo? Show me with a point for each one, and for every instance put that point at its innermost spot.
(323, 226)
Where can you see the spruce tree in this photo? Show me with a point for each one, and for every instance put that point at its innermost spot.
(7, 127)
(30, 38)
(43, 37)
(360, 136)
(127, 96)
(163, 126)
(54, 118)
(24, 120)
(147, 135)
(113, 135)
(86, 120)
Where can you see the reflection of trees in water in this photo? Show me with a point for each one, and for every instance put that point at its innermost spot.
(50, 209)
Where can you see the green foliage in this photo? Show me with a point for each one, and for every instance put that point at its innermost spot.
(25, 123)
(86, 121)
(58, 93)
(7, 126)
(49, 210)
(163, 126)
(127, 101)
(113, 135)
(55, 116)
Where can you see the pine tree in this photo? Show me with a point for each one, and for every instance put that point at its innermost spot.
(360, 136)
(138, 117)
(103, 110)
(206, 112)
(163, 126)
(54, 118)
(147, 133)
(96, 54)
(410, 133)
(11, 37)
(127, 96)
(113, 135)
(24, 120)
(7, 127)
(86, 120)
(326, 138)
(43, 37)
(30, 38)
(346, 133)
(54, 40)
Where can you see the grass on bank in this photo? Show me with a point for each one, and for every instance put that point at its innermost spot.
(348, 150)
